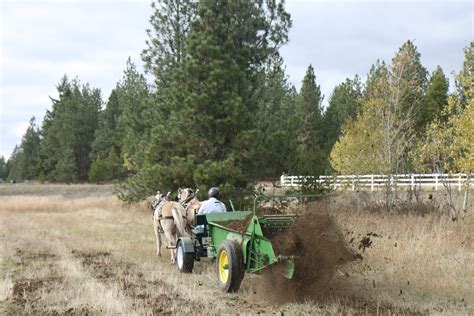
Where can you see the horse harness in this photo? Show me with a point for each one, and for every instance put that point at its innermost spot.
(187, 203)
(154, 206)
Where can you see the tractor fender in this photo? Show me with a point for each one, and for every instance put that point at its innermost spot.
(187, 243)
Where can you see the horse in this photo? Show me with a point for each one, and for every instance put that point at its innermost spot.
(167, 218)
(188, 199)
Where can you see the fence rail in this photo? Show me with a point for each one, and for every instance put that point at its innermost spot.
(377, 181)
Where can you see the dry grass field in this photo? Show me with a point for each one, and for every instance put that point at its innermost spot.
(85, 253)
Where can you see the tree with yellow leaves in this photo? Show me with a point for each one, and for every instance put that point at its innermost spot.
(448, 146)
(379, 139)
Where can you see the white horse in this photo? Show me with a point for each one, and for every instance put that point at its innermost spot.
(188, 199)
(167, 218)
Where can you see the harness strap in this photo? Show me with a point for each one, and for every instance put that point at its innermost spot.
(186, 203)
(165, 217)
(155, 205)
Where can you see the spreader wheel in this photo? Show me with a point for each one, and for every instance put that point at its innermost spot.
(184, 261)
(230, 266)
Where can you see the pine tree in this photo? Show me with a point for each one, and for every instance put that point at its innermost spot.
(275, 122)
(24, 160)
(14, 165)
(166, 47)
(66, 168)
(166, 51)
(209, 135)
(344, 103)
(68, 132)
(436, 96)
(114, 165)
(49, 142)
(137, 116)
(237, 37)
(3, 169)
(240, 37)
(108, 135)
(448, 145)
(311, 159)
(98, 172)
(86, 120)
(107, 145)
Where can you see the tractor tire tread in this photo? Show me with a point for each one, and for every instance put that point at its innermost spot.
(188, 261)
(237, 271)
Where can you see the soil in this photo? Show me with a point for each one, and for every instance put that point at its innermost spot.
(133, 284)
(241, 225)
(320, 249)
(28, 291)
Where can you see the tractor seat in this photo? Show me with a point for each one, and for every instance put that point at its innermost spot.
(199, 230)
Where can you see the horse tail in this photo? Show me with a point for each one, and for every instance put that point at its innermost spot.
(178, 220)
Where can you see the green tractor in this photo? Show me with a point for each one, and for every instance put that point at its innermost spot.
(238, 242)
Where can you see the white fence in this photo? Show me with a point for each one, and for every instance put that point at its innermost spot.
(377, 181)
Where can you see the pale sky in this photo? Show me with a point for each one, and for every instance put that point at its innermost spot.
(43, 40)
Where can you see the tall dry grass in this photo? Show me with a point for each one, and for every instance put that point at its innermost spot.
(422, 261)
(55, 203)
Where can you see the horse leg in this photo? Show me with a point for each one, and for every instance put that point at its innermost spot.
(157, 236)
(169, 230)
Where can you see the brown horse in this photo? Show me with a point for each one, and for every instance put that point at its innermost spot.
(167, 218)
(188, 199)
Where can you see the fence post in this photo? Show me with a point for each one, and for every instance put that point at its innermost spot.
(436, 182)
(412, 181)
(459, 182)
(371, 182)
(282, 180)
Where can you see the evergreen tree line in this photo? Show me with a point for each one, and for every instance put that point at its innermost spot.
(220, 111)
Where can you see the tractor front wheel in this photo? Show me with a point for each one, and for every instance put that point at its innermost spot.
(230, 266)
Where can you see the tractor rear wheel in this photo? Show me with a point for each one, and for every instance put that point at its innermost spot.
(184, 261)
(230, 266)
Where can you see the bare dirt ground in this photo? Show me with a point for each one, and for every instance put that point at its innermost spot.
(82, 253)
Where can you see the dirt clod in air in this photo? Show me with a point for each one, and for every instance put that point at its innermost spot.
(319, 248)
(365, 243)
